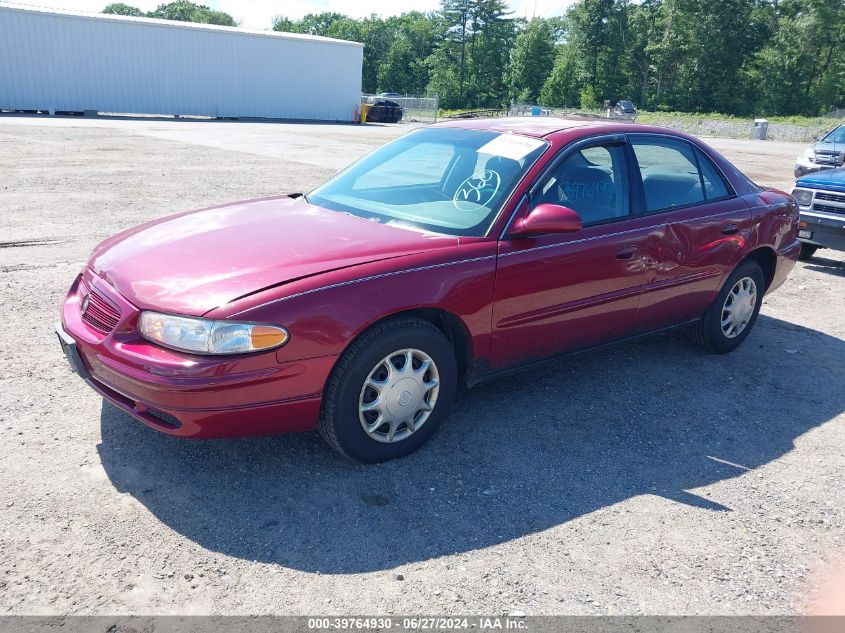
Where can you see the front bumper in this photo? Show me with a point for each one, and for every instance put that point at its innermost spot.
(803, 167)
(185, 394)
(825, 230)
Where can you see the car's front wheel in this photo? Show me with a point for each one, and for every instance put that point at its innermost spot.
(389, 391)
(729, 320)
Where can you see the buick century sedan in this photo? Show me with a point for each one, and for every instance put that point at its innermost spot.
(455, 253)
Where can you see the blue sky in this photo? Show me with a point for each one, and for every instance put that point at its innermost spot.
(258, 14)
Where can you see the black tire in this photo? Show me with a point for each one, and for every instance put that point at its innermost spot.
(708, 333)
(339, 421)
(807, 251)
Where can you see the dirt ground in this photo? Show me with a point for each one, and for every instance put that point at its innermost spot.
(647, 478)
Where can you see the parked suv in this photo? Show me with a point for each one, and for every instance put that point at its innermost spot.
(821, 202)
(826, 153)
(624, 110)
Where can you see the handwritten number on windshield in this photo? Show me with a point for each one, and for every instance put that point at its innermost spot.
(477, 191)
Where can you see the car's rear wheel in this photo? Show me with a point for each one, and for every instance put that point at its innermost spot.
(729, 320)
(389, 391)
(807, 251)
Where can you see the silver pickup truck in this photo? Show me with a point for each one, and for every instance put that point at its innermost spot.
(826, 153)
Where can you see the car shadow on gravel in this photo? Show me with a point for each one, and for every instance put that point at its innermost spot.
(825, 265)
(518, 455)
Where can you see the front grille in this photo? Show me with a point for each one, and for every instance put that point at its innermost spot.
(830, 197)
(826, 208)
(829, 159)
(100, 313)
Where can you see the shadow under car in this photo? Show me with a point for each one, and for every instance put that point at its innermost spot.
(517, 456)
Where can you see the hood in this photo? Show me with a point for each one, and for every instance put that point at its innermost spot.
(194, 262)
(832, 179)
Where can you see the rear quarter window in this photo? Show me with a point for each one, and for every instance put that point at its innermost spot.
(714, 183)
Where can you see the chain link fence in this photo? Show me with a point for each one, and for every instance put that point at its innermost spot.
(414, 108)
(534, 109)
(529, 109)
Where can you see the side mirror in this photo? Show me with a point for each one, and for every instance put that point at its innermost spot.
(547, 218)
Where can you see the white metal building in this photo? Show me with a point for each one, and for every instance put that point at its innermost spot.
(68, 61)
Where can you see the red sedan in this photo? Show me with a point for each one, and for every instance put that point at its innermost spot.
(456, 252)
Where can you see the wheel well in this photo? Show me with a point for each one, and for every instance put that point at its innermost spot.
(767, 259)
(453, 328)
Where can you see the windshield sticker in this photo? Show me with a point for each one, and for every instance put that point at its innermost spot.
(511, 146)
(477, 191)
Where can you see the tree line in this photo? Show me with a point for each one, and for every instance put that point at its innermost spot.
(742, 57)
(181, 10)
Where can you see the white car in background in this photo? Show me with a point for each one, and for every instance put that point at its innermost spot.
(826, 153)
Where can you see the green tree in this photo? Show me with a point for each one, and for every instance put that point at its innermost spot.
(801, 68)
(734, 56)
(420, 31)
(119, 8)
(531, 61)
(491, 51)
(450, 61)
(561, 86)
(639, 63)
(317, 23)
(185, 11)
(404, 68)
(475, 38)
(588, 99)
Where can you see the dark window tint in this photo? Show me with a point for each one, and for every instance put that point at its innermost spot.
(670, 173)
(714, 184)
(592, 182)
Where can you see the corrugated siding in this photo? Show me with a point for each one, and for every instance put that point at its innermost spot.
(62, 62)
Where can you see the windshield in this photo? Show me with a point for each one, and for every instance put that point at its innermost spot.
(445, 180)
(836, 136)
(626, 105)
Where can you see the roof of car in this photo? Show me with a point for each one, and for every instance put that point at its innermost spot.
(538, 126)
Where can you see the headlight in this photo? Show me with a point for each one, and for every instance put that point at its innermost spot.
(810, 154)
(205, 336)
(803, 196)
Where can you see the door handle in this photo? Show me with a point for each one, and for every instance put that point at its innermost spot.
(627, 253)
(730, 229)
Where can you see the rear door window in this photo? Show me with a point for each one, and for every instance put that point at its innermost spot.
(669, 171)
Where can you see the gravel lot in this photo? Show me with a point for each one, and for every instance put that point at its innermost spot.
(647, 478)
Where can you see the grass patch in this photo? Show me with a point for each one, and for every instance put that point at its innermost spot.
(691, 117)
(442, 113)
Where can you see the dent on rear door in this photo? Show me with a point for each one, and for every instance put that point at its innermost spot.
(700, 246)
